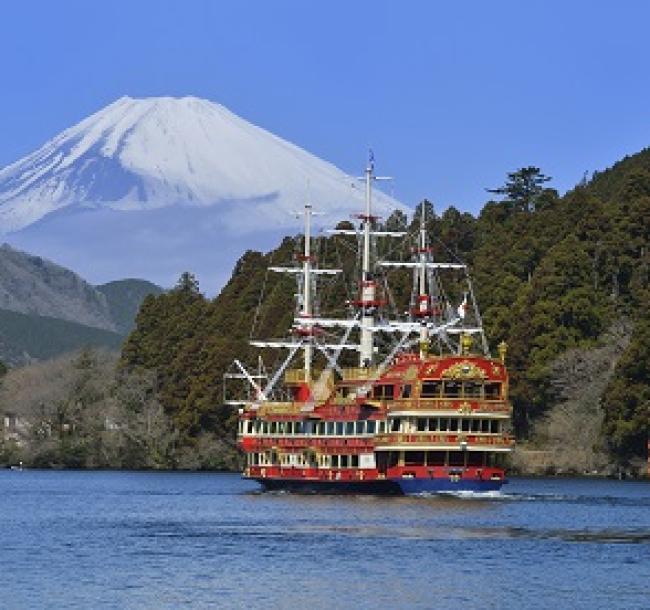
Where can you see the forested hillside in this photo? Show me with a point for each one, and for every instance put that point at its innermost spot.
(555, 277)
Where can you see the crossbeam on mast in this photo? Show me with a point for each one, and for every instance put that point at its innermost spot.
(373, 233)
(290, 345)
(299, 270)
(427, 265)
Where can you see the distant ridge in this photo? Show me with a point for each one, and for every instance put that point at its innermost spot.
(46, 309)
(124, 298)
(33, 285)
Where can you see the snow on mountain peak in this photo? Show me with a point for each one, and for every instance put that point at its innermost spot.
(139, 154)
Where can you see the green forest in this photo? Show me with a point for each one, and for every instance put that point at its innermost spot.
(562, 279)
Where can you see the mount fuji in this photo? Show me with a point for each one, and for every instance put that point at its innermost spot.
(152, 187)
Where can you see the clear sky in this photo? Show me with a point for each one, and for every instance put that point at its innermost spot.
(450, 95)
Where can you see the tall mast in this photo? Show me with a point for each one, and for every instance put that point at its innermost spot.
(307, 308)
(424, 300)
(368, 286)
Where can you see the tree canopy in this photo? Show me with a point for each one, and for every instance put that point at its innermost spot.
(551, 274)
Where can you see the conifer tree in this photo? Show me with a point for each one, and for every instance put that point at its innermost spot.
(522, 188)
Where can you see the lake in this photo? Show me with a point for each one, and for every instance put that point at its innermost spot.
(170, 540)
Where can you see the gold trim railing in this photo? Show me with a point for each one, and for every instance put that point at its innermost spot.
(473, 439)
(461, 405)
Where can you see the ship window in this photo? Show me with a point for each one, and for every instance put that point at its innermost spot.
(354, 461)
(476, 425)
(360, 427)
(451, 389)
(343, 461)
(492, 391)
(290, 427)
(274, 426)
(406, 391)
(475, 458)
(422, 424)
(384, 391)
(395, 424)
(430, 389)
(414, 458)
(456, 458)
(393, 458)
(453, 424)
(370, 427)
(382, 427)
(472, 389)
(335, 461)
(444, 424)
(349, 428)
(494, 426)
(330, 428)
(339, 428)
(435, 458)
(465, 425)
(485, 425)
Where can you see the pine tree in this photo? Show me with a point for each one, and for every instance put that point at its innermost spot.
(522, 188)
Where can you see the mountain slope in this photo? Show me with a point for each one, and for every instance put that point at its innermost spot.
(28, 337)
(33, 285)
(46, 310)
(124, 298)
(139, 154)
(155, 187)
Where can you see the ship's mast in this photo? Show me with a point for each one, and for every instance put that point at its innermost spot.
(307, 307)
(368, 286)
(424, 299)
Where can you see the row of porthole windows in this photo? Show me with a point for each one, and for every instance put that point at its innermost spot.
(300, 460)
(320, 428)
(410, 425)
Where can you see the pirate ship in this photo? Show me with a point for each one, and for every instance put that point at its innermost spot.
(426, 412)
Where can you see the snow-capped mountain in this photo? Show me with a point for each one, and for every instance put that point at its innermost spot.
(139, 154)
(154, 187)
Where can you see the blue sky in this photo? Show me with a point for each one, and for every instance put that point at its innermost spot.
(450, 96)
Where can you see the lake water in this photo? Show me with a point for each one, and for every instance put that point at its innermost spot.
(170, 540)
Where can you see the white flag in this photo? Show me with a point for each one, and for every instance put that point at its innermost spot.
(462, 308)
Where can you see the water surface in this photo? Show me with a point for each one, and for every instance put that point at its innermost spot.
(169, 540)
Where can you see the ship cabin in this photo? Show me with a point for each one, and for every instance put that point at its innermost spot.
(438, 416)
